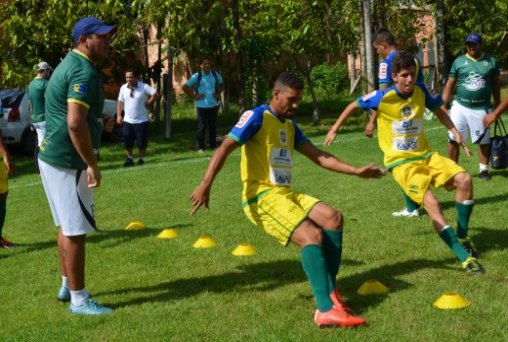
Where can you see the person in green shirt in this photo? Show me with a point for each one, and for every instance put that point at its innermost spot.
(475, 78)
(36, 101)
(68, 155)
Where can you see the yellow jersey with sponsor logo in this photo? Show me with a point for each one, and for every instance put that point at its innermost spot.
(268, 145)
(400, 122)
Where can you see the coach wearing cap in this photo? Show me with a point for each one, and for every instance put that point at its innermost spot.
(475, 78)
(36, 98)
(68, 155)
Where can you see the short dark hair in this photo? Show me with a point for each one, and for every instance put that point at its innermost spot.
(203, 59)
(289, 79)
(383, 36)
(131, 70)
(403, 60)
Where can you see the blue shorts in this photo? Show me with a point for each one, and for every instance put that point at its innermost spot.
(138, 132)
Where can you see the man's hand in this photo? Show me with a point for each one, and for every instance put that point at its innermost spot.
(200, 196)
(119, 119)
(199, 96)
(330, 137)
(489, 119)
(93, 176)
(370, 171)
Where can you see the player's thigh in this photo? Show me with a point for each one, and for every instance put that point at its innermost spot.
(325, 216)
(70, 200)
(278, 214)
(443, 170)
(458, 116)
(414, 179)
(479, 134)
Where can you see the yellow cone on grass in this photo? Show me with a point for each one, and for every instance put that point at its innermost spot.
(244, 249)
(372, 286)
(168, 233)
(135, 225)
(451, 300)
(204, 242)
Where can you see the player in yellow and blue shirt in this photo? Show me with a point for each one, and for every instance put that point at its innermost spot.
(269, 137)
(408, 156)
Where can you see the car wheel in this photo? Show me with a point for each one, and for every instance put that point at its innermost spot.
(29, 141)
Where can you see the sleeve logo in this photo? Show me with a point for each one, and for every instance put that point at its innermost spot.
(80, 89)
(244, 118)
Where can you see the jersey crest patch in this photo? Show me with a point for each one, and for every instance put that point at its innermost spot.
(80, 89)
(244, 118)
(283, 137)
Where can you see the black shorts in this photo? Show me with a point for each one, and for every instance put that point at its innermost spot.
(138, 132)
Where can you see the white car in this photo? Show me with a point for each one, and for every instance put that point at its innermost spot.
(15, 122)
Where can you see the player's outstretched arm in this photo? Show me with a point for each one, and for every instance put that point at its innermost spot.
(447, 122)
(332, 133)
(201, 195)
(332, 163)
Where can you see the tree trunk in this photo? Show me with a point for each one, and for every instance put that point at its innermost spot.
(316, 115)
(239, 57)
(440, 37)
(363, 59)
(369, 53)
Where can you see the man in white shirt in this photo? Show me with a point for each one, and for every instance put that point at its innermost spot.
(133, 99)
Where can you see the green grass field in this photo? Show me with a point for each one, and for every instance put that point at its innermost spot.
(168, 290)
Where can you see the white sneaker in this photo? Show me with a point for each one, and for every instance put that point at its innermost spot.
(406, 213)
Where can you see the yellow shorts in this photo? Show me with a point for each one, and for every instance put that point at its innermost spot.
(3, 177)
(416, 177)
(279, 212)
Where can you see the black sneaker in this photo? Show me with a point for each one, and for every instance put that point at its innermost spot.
(485, 175)
(141, 162)
(469, 247)
(128, 162)
(472, 266)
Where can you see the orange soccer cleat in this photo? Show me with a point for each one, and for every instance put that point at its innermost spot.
(339, 303)
(337, 317)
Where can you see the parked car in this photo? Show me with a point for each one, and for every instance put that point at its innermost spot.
(15, 122)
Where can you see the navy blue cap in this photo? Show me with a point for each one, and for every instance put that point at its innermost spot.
(474, 38)
(90, 25)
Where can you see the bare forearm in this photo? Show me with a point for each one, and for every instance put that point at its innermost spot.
(82, 141)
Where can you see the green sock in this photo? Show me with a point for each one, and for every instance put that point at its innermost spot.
(2, 215)
(449, 237)
(410, 204)
(314, 266)
(464, 211)
(332, 250)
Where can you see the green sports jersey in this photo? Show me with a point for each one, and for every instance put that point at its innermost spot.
(36, 93)
(474, 80)
(76, 80)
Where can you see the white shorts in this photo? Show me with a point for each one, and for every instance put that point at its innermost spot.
(40, 128)
(70, 200)
(468, 120)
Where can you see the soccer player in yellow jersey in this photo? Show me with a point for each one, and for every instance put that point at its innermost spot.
(408, 156)
(268, 137)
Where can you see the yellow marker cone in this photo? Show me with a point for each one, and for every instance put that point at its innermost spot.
(372, 286)
(204, 242)
(244, 249)
(168, 233)
(135, 225)
(451, 300)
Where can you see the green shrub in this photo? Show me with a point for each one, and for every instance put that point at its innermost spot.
(330, 79)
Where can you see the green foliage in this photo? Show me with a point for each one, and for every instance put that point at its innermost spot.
(330, 79)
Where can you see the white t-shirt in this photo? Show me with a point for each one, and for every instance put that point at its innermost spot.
(134, 106)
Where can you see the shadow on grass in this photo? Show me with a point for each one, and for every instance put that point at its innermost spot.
(270, 275)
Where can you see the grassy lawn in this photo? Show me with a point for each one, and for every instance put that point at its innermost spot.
(168, 290)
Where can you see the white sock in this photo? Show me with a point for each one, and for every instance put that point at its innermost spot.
(483, 167)
(468, 202)
(79, 297)
(65, 281)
